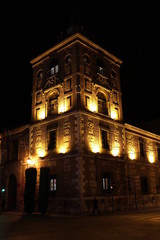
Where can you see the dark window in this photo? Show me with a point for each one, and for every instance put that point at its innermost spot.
(144, 185)
(52, 140)
(39, 79)
(100, 67)
(142, 150)
(105, 139)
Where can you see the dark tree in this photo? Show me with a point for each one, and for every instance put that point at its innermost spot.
(30, 187)
(43, 189)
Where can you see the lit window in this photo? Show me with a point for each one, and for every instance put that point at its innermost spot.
(53, 184)
(54, 68)
(107, 182)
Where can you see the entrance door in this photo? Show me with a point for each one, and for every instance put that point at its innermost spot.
(12, 193)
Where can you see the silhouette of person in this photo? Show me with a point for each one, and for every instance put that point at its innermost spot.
(95, 207)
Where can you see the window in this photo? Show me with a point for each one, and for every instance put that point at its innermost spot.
(53, 104)
(114, 77)
(39, 79)
(102, 105)
(54, 68)
(107, 182)
(105, 139)
(87, 101)
(100, 67)
(38, 113)
(52, 139)
(144, 185)
(53, 183)
(68, 102)
(142, 149)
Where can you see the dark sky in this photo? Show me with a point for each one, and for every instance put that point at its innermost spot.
(127, 29)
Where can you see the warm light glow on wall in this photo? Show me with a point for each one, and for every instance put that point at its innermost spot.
(115, 151)
(114, 114)
(132, 155)
(92, 106)
(151, 157)
(42, 114)
(95, 147)
(62, 149)
(30, 162)
(61, 107)
(41, 152)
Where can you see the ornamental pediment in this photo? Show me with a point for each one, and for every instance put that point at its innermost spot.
(103, 81)
(51, 82)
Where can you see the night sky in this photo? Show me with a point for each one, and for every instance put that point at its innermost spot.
(127, 29)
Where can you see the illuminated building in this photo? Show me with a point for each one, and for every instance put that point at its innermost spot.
(77, 130)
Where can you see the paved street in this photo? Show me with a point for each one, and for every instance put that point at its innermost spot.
(124, 226)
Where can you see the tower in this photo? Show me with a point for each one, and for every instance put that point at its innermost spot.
(76, 114)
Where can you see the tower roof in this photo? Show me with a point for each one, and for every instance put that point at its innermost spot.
(76, 37)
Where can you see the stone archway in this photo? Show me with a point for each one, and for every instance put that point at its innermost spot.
(12, 193)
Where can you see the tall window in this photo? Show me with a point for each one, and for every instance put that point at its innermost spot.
(68, 102)
(52, 139)
(102, 105)
(53, 183)
(39, 79)
(100, 67)
(54, 68)
(142, 149)
(105, 138)
(107, 182)
(87, 101)
(53, 104)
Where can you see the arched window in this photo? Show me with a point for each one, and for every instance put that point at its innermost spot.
(102, 103)
(39, 78)
(53, 104)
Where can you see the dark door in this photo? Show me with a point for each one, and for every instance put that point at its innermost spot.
(12, 193)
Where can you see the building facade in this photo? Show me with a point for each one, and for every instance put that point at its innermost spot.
(77, 131)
